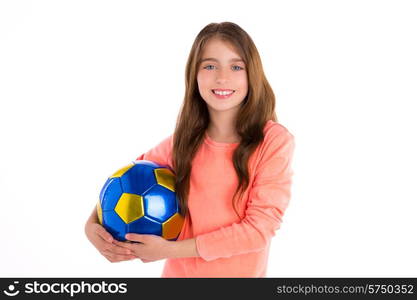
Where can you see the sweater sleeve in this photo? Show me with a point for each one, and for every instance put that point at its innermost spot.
(268, 199)
(160, 154)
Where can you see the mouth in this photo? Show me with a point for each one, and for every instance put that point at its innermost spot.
(222, 93)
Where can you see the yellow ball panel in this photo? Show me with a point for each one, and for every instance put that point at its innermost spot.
(99, 213)
(172, 227)
(165, 178)
(120, 172)
(129, 207)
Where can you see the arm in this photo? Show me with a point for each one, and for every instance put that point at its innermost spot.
(184, 248)
(149, 247)
(161, 153)
(268, 199)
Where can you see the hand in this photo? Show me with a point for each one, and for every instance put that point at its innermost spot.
(106, 244)
(147, 247)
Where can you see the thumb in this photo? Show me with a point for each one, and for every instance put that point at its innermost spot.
(134, 237)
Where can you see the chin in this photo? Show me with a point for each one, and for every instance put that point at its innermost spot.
(222, 108)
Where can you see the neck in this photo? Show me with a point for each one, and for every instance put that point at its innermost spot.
(222, 126)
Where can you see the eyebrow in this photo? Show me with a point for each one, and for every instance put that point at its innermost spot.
(216, 60)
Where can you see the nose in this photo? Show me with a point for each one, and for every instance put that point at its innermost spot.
(222, 76)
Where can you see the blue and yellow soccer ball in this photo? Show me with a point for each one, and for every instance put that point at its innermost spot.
(140, 198)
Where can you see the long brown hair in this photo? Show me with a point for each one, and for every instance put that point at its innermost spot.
(256, 109)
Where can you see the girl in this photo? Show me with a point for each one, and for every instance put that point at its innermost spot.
(232, 162)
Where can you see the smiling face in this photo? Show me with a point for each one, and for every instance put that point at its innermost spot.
(221, 77)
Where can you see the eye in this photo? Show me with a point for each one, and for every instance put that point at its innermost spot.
(240, 68)
(206, 67)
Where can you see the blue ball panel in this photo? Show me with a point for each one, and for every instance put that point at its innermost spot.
(138, 179)
(106, 184)
(159, 203)
(145, 225)
(114, 225)
(110, 194)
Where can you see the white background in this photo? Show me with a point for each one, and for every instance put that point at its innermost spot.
(87, 86)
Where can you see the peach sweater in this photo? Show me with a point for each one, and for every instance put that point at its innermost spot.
(227, 246)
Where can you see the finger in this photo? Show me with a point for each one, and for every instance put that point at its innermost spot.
(111, 258)
(119, 243)
(116, 257)
(100, 244)
(126, 245)
(104, 234)
(118, 250)
(134, 237)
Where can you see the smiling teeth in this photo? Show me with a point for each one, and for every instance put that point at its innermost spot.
(222, 93)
